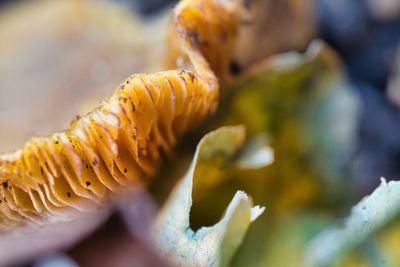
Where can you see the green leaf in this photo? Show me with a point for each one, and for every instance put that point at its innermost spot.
(304, 104)
(209, 246)
(256, 154)
(369, 215)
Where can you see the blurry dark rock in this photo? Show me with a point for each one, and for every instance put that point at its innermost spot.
(6, 2)
(393, 89)
(147, 7)
(366, 43)
(379, 144)
(341, 21)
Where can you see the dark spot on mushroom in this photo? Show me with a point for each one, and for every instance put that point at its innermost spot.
(125, 170)
(88, 183)
(234, 67)
(41, 170)
(68, 194)
(205, 43)
(192, 76)
(247, 4)
(5, 185)
(223, 37)
(193, 37)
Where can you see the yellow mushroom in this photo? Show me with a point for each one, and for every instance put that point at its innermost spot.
(118, 145)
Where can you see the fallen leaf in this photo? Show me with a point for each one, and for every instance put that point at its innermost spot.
(305, 105)
(208, 246)
(288, 237)
(369, 215)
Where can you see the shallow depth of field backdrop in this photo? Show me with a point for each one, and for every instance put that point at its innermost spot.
(320, 105)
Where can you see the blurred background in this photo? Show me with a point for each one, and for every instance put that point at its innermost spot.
(58, 59)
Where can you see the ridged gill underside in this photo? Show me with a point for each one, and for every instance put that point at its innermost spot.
(119, 145)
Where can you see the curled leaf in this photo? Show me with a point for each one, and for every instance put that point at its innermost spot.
(307, 108)
(208, 246)
(368, 216)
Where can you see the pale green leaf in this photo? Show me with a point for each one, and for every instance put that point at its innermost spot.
(368, 216)
(209, 246)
